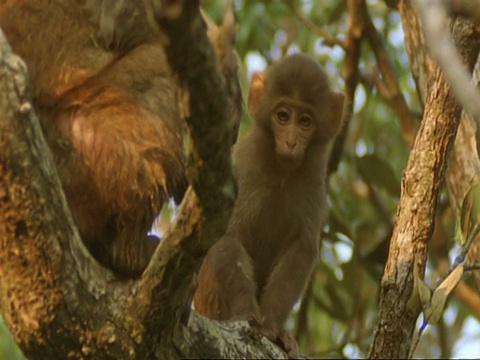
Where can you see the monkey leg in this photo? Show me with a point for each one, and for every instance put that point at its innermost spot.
(227, 289)
(285, 285)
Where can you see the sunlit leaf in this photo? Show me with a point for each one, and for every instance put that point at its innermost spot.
(435, 310)
(420, 290)
(441, 293)
(452, 280)
(458, 232)
(469, 217)
(424, 291)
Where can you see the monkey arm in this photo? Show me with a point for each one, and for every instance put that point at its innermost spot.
(286, 283)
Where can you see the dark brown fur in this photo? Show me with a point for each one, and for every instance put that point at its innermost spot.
(111, 112)
(260, 267)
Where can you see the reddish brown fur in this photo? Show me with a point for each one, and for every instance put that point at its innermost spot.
(108, 104)
(260, 267)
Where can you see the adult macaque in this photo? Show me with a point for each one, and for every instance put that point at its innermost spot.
(260, 267)
(111, 110)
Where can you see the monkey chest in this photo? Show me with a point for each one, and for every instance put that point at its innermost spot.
(274, 214)
(275, 223)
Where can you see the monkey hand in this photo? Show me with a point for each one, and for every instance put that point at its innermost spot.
(256, 328)
(267, 328)
(280, 337)
(288, 343)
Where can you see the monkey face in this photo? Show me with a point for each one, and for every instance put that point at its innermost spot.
(293, 128)
(292, 101)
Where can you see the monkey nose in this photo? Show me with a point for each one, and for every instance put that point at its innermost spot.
(291, 144)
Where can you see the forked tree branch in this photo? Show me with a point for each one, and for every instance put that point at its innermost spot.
(55, 299)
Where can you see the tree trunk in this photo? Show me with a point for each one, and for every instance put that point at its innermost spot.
(421, 184)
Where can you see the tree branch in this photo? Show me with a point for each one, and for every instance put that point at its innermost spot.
(435, 20)
(224, 340)
(328, 40)
(391, 89)
(202, 220)
(350, 74)
(413, 229)
(414, 226)
(44, 268)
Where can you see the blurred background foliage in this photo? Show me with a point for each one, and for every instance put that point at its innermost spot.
(8, 348)
(336, 319)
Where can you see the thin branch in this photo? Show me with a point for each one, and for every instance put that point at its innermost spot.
(435, 23)
(353, 41)
(328, 40)
(469, 297)
(350, 73)
(390, 88)
(206, 208)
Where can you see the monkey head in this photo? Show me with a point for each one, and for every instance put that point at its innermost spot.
(292, 100)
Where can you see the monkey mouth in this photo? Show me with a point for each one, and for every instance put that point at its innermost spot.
(288, 162)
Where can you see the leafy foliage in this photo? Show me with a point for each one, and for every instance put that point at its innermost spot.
(337, 316)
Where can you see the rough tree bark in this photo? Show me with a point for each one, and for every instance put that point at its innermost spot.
(421, 184)
(58, 302)
(464, 164)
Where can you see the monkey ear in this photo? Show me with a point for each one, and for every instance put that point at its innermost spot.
(338, 100)
(257, 84)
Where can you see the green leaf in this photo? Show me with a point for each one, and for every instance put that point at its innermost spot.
(420, 290)
(378, 172)
(469, 217)
(423, 290)
(441, 293)
(458, 232)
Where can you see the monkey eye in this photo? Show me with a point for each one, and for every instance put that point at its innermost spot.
(305, 122)
(282, 116)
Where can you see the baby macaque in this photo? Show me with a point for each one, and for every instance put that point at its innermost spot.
(259, 268)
